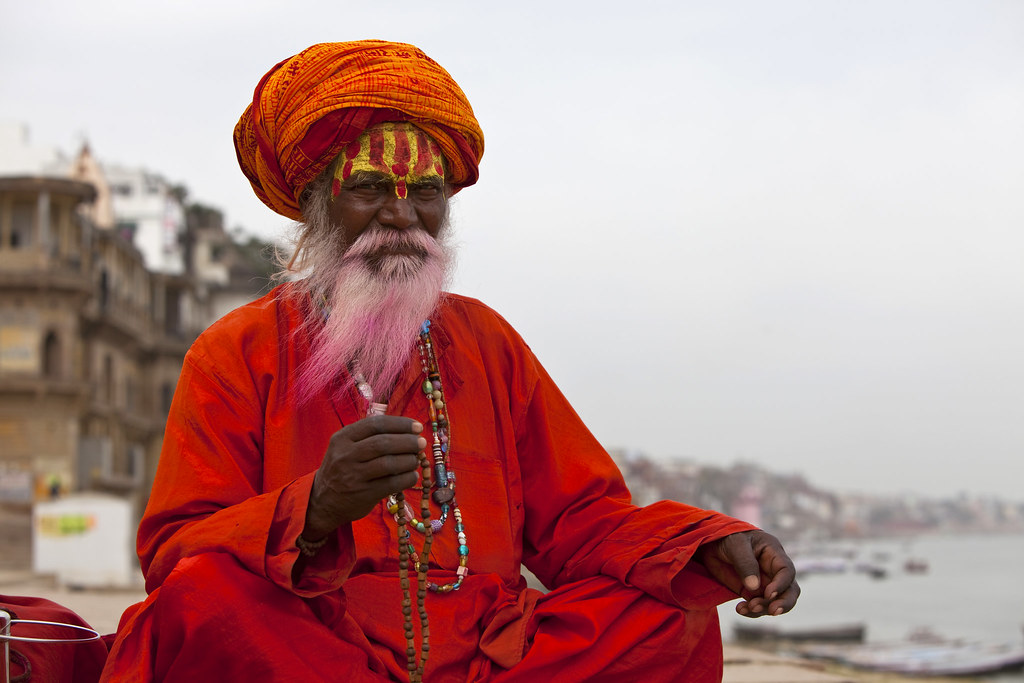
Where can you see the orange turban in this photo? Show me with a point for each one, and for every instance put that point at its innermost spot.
(308, 107)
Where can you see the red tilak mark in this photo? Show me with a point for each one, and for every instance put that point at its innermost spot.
(377, 150)
(346, 170)
(402, 153)
(401, 189)
(423, 156)
(336, 184)
(353, 149)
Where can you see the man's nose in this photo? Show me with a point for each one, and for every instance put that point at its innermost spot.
(398, 213)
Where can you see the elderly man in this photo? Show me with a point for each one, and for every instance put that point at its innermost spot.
(357, 466)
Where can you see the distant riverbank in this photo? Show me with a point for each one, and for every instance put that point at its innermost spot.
(970, 590)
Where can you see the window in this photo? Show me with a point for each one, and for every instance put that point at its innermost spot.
(108, 379)
(56, 230)
(23, 216)
(172, 313)
(104, 290)
(51, 356)
(130, 394)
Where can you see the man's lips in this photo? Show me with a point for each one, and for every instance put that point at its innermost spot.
(379, 256)
(398, 251)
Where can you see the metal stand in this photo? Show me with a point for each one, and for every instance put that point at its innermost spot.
(5, 632)
(6, 637)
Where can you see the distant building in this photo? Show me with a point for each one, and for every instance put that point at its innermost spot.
(747, 505)
(91, 345)
(229, 274)
(140, 206)
(95, 320)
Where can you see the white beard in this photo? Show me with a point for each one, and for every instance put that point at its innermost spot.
(387, 283)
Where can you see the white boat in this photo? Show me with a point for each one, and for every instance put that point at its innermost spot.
(936, 658)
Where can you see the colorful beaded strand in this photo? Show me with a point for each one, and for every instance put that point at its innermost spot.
(444, 493)
(438, 483)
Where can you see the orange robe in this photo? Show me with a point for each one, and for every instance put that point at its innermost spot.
(217, 541)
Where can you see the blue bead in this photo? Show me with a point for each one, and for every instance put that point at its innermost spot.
(463, 550)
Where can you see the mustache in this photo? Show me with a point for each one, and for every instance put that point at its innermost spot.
(377, 243)
(389, 253)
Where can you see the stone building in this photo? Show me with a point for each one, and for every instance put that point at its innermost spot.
(106, 278)
(91, 345)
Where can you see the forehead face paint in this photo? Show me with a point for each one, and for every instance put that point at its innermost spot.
(401, 151)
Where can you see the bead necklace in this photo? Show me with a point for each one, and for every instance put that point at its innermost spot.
(415, 664)
(444, 477)
(443, 494)
(438, 481)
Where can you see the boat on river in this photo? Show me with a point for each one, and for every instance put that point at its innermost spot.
(931, 657)
(915, 565)
(833, 633)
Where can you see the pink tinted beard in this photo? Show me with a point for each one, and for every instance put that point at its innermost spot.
(393, 299)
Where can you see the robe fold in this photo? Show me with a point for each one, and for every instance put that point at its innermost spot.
(534, 486)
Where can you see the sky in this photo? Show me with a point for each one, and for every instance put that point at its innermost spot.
(786, 233)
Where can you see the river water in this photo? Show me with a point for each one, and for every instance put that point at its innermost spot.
(973, 589)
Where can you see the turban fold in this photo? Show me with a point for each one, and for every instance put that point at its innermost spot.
(310, 106)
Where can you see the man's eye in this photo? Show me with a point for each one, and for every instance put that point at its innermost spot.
(426, 192)
(369, 187)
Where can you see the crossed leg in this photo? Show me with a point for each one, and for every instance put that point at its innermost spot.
(214, 620)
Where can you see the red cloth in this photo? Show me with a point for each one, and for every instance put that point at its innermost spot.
(40, 662)
(534, 487)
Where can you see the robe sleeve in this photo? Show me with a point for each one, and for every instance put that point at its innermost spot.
(208, 493)
(579, 521)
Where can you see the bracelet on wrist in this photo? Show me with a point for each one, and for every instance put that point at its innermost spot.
(310, 548)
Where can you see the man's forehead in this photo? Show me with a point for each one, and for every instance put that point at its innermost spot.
(396, 150)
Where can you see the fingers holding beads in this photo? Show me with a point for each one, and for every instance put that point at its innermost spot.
(398, 467)
(373, 447)
(363, 464)
(380, 425)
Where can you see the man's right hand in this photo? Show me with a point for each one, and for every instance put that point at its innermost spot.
(365, 462)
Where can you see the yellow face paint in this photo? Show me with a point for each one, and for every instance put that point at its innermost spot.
(401, 151)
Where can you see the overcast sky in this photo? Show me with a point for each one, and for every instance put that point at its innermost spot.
(788, 233)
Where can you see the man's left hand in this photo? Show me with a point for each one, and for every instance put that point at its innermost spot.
(755, 566)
